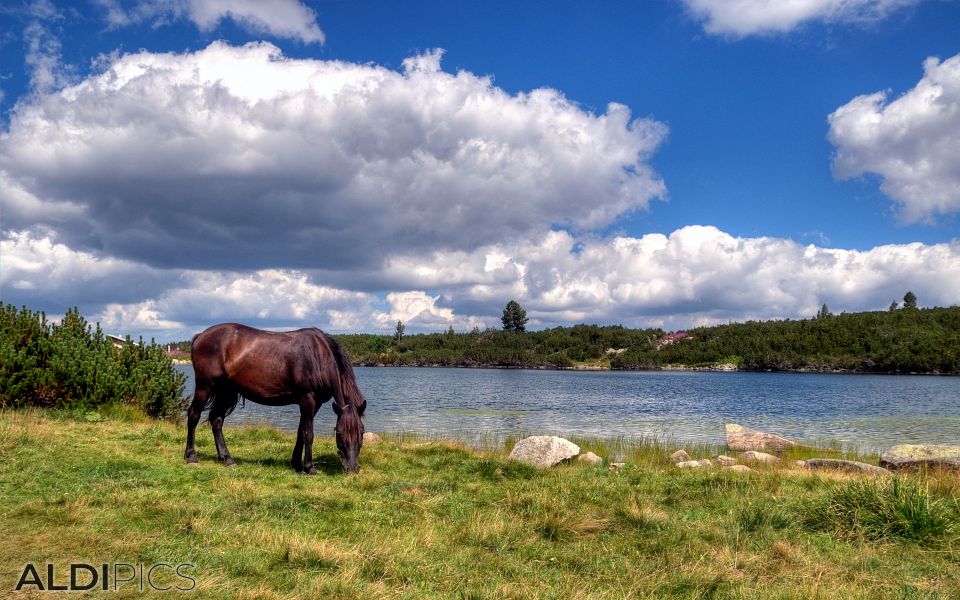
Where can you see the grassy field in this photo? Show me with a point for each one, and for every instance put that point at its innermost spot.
(435, 519)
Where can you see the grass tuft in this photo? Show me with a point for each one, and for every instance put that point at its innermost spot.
(886, 509)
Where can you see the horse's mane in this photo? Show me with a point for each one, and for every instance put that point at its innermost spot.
(352, 396)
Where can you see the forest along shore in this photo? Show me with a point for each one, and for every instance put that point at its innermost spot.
(904, 341)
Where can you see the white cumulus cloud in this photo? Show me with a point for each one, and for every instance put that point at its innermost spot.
(280, 18)
(239, 158)
(911, 142)
(740, 18)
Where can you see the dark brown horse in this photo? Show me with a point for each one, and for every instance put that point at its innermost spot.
(305, 367)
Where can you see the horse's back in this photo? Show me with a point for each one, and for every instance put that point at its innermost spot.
(259, 363)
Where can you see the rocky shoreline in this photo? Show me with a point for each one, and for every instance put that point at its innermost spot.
(753, 447)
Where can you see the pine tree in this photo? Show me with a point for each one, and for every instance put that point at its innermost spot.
(910, 301)
(514, 317)
(398, 332)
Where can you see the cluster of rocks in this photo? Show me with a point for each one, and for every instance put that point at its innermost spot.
(754, 447)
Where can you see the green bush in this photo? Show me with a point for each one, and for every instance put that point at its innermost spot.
(72, 365)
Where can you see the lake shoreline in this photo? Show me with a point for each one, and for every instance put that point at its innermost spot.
(722, 368)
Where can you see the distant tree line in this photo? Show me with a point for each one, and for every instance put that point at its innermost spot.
(900, 340)
(72, 365)
(905, 340)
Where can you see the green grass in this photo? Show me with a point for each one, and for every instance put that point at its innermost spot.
(427, 518)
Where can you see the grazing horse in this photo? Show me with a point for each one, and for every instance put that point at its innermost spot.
(305, 367)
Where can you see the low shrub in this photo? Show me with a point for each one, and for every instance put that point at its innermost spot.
(71, 365)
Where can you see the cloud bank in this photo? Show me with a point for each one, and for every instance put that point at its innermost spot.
(695, 275)
(741, 18)
(912, 142)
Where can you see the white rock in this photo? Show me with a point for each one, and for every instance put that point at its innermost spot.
(689, 464)
(705, 462)
(544, 450)
(737, 468)
(590, 458)
(680, 456)
(752, 456)
(726, 460)
(371, 438)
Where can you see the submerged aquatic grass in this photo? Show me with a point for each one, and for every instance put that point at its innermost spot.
(440, 518)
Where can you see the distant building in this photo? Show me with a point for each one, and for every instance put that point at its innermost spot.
(118, 341)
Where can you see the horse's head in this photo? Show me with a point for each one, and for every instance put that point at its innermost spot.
(349, 435)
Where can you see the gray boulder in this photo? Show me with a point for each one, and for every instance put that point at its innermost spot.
(847, 466)
(906, 456)
(680, 456)
(689, 464)
(742, 439)
(544, 450)
(726, 461)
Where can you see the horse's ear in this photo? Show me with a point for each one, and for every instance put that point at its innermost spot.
(337, 409)
(362, 407)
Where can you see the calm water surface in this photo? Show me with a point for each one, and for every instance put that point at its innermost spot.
(870, 412)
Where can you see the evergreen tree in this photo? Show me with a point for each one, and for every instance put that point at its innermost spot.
(893, 306)
(910, 301)
(514, 317)
(398, 332)
(824, 312)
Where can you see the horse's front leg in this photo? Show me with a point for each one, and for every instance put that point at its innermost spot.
(297, 461)
(217, 414)
(307, 410)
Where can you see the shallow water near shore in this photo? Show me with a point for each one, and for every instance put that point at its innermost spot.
(866, 412)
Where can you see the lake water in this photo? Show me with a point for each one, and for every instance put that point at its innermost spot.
(870, 412)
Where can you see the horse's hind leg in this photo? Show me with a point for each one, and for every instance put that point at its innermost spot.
(217, 414)
(193, 417)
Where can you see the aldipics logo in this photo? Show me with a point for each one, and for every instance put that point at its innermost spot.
(107, 577)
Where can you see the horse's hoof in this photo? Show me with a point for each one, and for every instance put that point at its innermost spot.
(191, 460)
(310, 471)
(229, 462)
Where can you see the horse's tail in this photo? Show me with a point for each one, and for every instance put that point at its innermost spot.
(345, 387)
(225, 396)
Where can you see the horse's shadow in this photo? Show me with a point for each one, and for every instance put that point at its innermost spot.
(328, 464)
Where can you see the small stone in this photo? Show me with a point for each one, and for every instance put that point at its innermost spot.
(590, 458)
(742, 438)
(726, 460)
(737, 468)
(705, 462)
(689, 464)
(544, 450)
(753, 456)
(680, 456)
(371, 438)
(848, 466)
(617, 466)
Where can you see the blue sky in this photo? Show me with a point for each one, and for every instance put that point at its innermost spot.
(749, 173)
